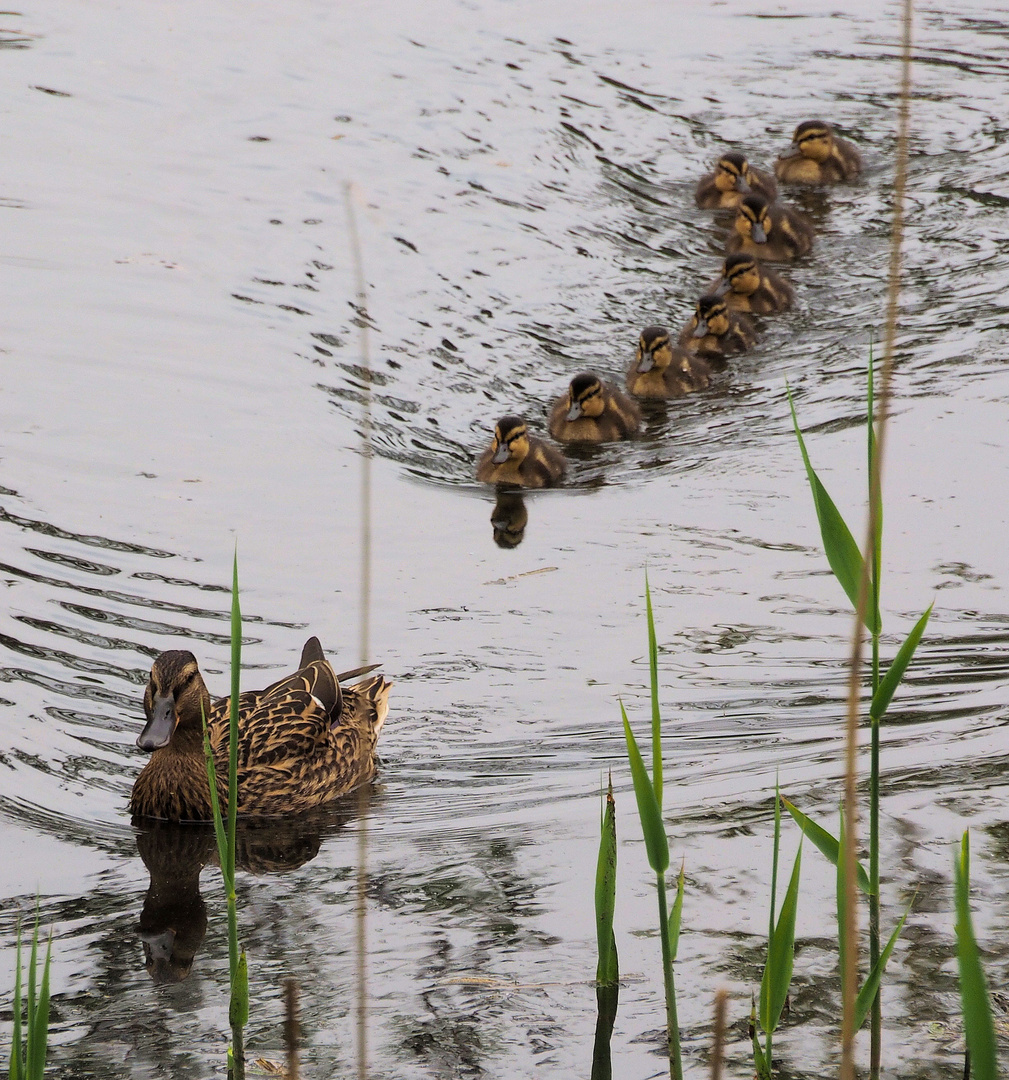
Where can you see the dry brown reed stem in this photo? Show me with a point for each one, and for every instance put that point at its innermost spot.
(291, 1030)
(361, 935)
(718, 1049)
(875, 491)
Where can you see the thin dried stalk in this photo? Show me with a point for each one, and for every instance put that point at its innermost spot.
(718, 1049)
(291, 1029)
(850, 987)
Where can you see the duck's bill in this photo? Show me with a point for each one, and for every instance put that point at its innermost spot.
(159, 729)
(743, 186)
(646, 363)
(758, 234)
(574, 412)
(723, 287)
(500, 454)
(702, 328)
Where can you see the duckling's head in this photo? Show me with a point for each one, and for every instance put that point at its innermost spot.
(740, 274)
(732, 173)
(173, 699)
(753, 219)
(585, 396)
(511, 440)
(654, 350)
(712, 316)
(814, 139)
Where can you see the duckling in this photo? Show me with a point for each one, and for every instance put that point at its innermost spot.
(818, 156)
(303, 741)
(748, 285)
(770, 231)
(716, 331)
(664, 370)
(593, 412)
(516, 457)
(732, 180)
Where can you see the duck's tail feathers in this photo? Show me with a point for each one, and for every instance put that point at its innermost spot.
(311, 652)
(356, 673)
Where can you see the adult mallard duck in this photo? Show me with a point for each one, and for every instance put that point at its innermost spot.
(716, 331)
(516, 457)
(818, 156)
(593, 412)
(303, 741)
(748, 285)
(733, 179)
(663, 370)
(769, 231)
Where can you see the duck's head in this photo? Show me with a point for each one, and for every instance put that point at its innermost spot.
(585, 396)
(511, 440)
(732, 173)
(740, 274)
(753, 219)
(173, 699)
(814, 139)
(654, 350)
(711, 316)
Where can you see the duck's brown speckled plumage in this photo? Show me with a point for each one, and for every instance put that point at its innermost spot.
(303, 740)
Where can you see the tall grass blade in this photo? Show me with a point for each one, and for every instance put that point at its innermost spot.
(656, 843)
(824, 842)
(16, 1069)
(607, 970)
(760, 1062)
(863, 1003)
(236, 677)
(674, 916)
(842, 909)
(838, 544)
(38, 1032)
(977, 1014)
(215, 805)
(891, 680)
(32, 962)
(238, 1012)
(653, 672)
(780, 954)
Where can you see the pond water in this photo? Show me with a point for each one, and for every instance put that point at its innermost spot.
(180, 368)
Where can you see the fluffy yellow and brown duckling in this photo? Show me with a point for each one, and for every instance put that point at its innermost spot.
(769, 231)
(716, 331)
(664, 370)
(303, 741)
(748, 285)
(733, 179)
(593, 412)
(516, 457)
(818, 156)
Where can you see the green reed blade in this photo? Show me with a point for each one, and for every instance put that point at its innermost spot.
(38, 1031)
(759, 1060)
(977, 1015)
(842, 552)
(656, 843)
(842, 905)
(891, 680)
(238, 1011)
(869, 423)
(236, 677)
(653, 672)
(215, 806)
(675, 914)
(607, 970)
(863, 1003)
(824, 842)
(16, 1069)
(32, 961)
(780, 954)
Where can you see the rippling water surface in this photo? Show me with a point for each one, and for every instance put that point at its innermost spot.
(180, 366)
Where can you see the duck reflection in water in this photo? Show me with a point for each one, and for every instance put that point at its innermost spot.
(173, 921)
(508, 519)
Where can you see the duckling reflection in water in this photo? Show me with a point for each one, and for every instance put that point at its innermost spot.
(663, 370)
(716, 331)
(304, 740)
(818, 156)
(593, 412)
(518, 458)
(508, 519)
(770, 231)
(733, 179)
(747, 284)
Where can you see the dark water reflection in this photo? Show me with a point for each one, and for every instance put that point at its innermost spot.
(180, 365)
